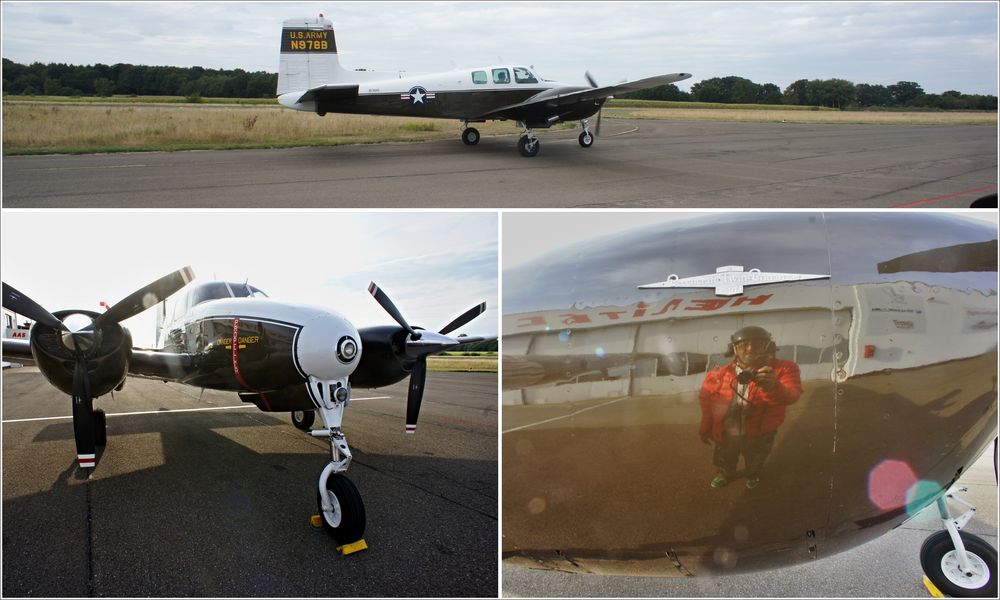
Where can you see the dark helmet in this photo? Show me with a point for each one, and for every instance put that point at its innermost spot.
(750, 332)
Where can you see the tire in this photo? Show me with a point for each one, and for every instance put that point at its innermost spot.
(940, 565)
(303, 419)
(348, 522)
(586, 139)
(100, 428)
(470, 136)
(527, 148)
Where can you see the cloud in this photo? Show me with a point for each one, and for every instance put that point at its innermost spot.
(940, 45)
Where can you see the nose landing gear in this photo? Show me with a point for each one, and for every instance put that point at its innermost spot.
(586, 138)
(959, 564)
(340, 506)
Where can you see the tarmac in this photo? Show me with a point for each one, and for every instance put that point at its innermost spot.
(634, 164)
(887, 567)
(197, 494)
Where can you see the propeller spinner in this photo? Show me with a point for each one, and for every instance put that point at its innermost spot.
(419, 345)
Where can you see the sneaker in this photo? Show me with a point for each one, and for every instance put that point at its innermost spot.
(719, 481)
(753, 482)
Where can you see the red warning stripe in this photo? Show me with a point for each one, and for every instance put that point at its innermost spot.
(236, 363)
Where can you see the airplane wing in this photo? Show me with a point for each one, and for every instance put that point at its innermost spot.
(154, 364)
(571, 95)
(17, 348)
(330, 92)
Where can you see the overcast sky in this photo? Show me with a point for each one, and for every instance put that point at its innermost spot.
(433, 265)
(529, 235)
(942, 46)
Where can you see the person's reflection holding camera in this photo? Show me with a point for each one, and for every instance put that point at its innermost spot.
(743, 404)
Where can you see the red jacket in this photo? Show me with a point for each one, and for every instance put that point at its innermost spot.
(766, 410)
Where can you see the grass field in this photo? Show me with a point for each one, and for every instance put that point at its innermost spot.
(761, 114)
(44, 125)
(483, 364)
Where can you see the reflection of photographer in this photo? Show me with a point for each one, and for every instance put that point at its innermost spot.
(743, 404)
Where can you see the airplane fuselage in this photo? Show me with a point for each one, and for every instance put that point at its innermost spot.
(462, 94)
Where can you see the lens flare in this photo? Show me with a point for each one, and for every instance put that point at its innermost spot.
(889, 482)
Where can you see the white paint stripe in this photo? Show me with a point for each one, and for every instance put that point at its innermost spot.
(633, 130)
(86, 456)
(573, 414)
(160, 412)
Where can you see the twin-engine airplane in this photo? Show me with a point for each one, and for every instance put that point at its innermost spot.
(311, 79)
(231, 337)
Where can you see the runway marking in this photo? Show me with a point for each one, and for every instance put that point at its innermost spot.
(160, 412)
(573, 414)
(633, 130)
(988, 188)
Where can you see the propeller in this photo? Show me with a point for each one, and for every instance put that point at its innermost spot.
(25, 306)
(81, 334)
(593, 84)
(420, 345)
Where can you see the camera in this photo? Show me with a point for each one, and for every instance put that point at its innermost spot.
(746, 377)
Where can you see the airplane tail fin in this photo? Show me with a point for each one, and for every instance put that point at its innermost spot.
(308, 55)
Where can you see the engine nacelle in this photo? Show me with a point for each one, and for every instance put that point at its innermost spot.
(384, 361)
(107, 359)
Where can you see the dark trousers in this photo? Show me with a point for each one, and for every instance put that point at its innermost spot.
(754, 450)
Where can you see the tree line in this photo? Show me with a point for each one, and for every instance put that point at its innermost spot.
(58, 79)
(832, 93)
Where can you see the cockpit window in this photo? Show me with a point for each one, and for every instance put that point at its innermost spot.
(501, 76)
(522, 75)
(479, 77)
(214, 290)
(245, 290)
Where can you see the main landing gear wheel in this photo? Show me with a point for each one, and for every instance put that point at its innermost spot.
(470, 136)
(586, 139)
(941, 565)
(528, 147)
(347, 523)
(303, 419)
(100, 428)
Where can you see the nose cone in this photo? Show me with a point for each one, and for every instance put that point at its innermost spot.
(328, 346)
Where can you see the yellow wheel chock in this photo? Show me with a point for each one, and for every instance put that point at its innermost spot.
(317, 522)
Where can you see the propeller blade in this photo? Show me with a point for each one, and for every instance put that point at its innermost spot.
(590, 79)
(146, 297)
(464, 318)
(416, 393)
(25, 306)
(83, 414)
(390, 308)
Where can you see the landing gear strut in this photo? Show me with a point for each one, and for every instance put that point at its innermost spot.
(586, 138)
(959, 564)
(340, 505)
(528, 145)
(470, 135)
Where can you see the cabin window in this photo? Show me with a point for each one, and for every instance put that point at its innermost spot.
(522, 75)
(479, 77)
(10, 321)
(501, 76)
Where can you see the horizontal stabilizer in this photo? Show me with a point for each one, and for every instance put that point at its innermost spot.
(330, 93)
